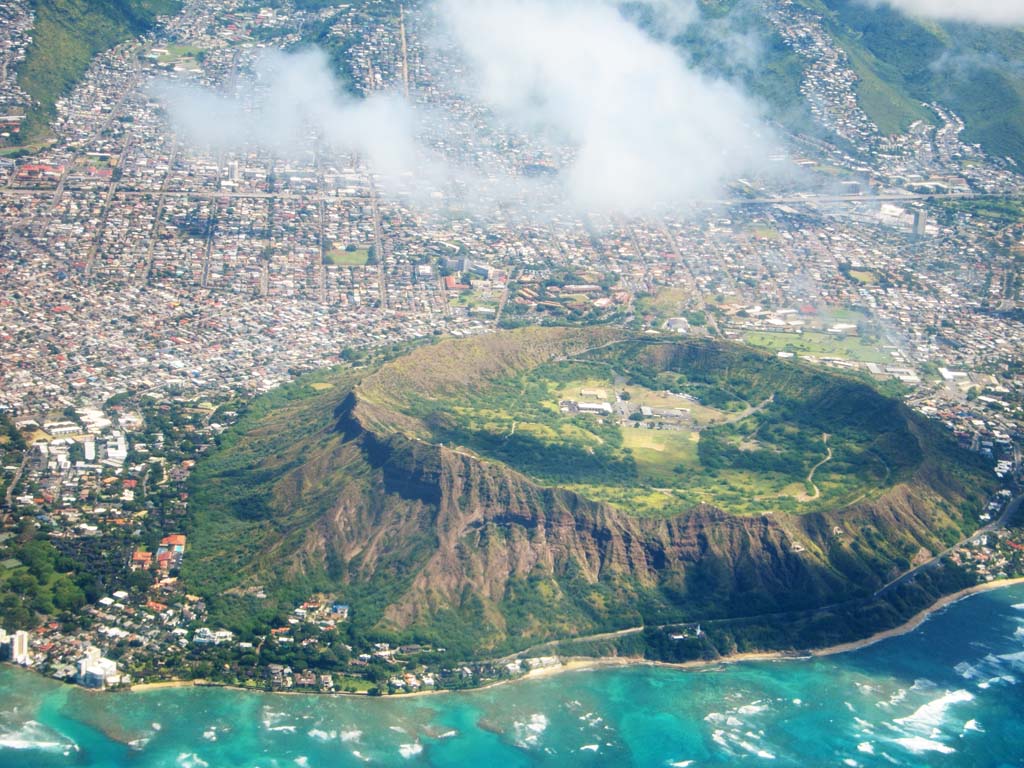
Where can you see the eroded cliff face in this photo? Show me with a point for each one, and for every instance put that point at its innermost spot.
(454, 535)
(431, 539)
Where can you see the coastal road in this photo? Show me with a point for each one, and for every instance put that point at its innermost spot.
(995, 525)
(551, 646)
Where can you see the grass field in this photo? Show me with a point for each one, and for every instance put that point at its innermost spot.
(820, 345)
(342, 258)
(864, 277)
(659, 452)
(179, 52)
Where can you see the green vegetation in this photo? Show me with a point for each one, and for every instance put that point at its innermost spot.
(36, 580)
(819, 345)
(745, 442)
(337, 485)
(903, 62)
(67, 35)
(178, 52)
(1000, 211)
(774, 77)
(343, 257)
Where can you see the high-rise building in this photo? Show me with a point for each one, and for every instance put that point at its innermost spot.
(95, 671)
(20, 649)
(920, 223)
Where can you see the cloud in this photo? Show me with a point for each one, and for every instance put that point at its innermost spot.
(292, 96)
(648, 131)
(993, 12)
(632, 127)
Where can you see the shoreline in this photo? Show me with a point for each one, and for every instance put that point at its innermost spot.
(581, 663)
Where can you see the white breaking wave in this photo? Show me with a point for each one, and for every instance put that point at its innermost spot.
(527, 735)
(191, 760)
(352, 735)
(752, 709)
(35, 735)
(410, 750)
(932, 714)
(919, 744)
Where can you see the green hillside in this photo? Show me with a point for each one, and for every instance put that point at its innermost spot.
(973, 70)
(454, 495)
(67, 35)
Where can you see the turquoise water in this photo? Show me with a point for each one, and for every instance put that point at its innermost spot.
(949, 694)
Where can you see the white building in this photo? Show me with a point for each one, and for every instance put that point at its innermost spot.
(95, 671)
(20, 653)
(15, 647)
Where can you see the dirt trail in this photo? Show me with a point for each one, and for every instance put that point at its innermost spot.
(810, 475)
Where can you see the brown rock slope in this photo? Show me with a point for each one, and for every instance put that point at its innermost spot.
(431, 541)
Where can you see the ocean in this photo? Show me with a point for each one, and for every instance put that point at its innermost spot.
(951, 693)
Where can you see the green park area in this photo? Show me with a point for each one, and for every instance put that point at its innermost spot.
(175, 53)
(343, 257)
(818, 344)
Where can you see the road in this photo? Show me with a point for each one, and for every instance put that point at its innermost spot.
(995, 525)
(9, 496)
(810, 475)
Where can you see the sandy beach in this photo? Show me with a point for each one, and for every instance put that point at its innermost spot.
(580, 663)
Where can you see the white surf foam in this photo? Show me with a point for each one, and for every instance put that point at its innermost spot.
(410, 750)
(191, 760)
(527, 734)
(352, 735)
(752, 709)
(973, 725)
(36, 736)
(919, 745)
(932, 714)
(590, 748)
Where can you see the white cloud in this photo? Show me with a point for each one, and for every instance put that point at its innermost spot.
(649, 131)
(293, 95)
(995, 12)
(636, 130)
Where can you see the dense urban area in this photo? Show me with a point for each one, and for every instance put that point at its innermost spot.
(153, 288)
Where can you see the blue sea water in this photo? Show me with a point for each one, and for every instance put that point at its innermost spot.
(949, 694)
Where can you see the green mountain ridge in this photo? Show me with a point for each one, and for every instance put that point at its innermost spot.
(972, 69)
(67, 35)
(338, 491)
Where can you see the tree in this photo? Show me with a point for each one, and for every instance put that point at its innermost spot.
(67, 596)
